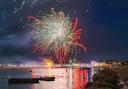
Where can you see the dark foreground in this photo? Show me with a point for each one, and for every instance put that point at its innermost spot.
(110, 78)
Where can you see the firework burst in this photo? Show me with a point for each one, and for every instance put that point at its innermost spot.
(55, 33)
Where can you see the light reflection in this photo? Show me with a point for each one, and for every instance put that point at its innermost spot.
(65, 78)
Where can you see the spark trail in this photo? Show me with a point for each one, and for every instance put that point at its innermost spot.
(56, 33)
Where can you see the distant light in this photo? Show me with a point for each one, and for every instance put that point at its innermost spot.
(48, 62)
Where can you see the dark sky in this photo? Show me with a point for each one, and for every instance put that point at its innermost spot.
(104, 24)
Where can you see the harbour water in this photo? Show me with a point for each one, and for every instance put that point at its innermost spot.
(63, 78)
(5, 74)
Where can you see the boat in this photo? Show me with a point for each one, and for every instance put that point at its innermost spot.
(29, 80)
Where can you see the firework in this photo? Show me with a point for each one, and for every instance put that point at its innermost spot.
(56, 33)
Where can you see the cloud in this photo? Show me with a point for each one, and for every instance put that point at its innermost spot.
(15, 59)
(43, 2)
(16, 40)
(3, 18)
(37, 2)
(15, 47)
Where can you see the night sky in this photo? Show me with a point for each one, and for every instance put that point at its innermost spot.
(104, 24)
